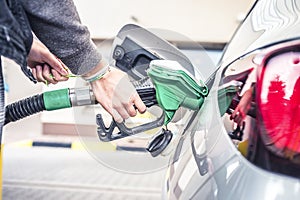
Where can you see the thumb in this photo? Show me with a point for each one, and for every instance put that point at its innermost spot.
(55, 63)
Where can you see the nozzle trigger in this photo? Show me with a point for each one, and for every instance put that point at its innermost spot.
(106, 133)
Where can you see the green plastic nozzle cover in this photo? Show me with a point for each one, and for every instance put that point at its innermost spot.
(225, 96)
(57, 99)
(175, 88)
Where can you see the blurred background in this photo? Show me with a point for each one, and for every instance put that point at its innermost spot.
(64, 173)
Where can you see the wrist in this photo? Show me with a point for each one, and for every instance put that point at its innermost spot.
(98, 72)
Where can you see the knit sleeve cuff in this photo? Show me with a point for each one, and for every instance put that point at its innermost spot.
(83, 60)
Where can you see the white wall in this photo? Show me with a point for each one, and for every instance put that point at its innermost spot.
(199, 20)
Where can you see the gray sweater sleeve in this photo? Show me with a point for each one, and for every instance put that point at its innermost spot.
(57, 24)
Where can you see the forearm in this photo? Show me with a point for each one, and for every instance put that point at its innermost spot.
(56, 23)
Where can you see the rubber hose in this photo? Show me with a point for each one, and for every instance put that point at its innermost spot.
(24, 108)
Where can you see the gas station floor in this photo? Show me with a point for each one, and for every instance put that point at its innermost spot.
(34, 172)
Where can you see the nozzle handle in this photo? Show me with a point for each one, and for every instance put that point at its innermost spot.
(106, 133)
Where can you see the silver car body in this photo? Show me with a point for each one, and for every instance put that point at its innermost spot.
(206, 164)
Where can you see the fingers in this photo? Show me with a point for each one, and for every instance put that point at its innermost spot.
(139, 103)
(123, 111)
(57, 65)
(45, 72)
(119, 110)
(117, 117)
(237, 116)
(116, 111)
(57, 76)
(233, 115)
(126, 109)
(130, 110)
(47, 75)
(120, 114)
(38, 73)
(117, 95)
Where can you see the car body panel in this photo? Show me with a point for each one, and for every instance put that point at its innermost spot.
(228, 174)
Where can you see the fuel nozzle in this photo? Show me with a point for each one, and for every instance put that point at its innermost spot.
(175, 87)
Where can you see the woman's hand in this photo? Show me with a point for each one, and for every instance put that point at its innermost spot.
(243, 107)
(117, 95)
(45, 66)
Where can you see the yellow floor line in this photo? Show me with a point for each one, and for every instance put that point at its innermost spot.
(77, 145)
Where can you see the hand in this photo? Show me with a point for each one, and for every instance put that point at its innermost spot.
(45, 66)
(242, 108)
(117, 95)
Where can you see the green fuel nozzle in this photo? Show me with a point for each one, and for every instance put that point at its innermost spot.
(175, 87)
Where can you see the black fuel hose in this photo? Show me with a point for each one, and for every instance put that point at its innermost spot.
(24, 108)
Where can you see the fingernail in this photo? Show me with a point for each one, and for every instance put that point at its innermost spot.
(64, 69)
(119, 121)
(64, 72)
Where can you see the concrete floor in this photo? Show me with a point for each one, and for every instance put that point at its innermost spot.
(60, 173)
